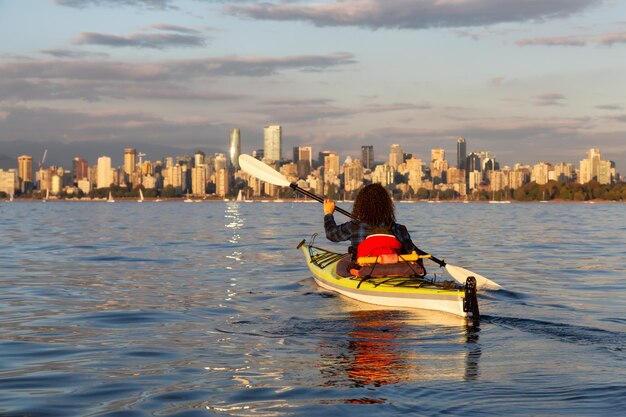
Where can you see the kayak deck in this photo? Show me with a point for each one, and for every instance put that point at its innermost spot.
(406, 291)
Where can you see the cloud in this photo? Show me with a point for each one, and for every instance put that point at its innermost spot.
(554, 41)
(172, 28)
(618, 107)
(606, 39)
(65, 53)
(150, 4)
(412, 14)
(550, 99)
(172, 70)
(141, 40)
(306, 111)
(92, 91)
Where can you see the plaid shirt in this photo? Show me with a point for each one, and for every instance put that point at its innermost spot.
(357, 232)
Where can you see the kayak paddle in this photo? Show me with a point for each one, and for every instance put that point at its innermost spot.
(266, 173)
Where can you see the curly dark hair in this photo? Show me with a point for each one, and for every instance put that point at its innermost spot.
(374, 206)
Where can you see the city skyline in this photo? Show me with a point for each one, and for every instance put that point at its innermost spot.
(531, 81)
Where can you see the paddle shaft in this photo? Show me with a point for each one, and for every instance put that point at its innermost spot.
(318, 198)
(315, 197)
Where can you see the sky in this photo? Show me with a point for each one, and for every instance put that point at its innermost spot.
(528, 80)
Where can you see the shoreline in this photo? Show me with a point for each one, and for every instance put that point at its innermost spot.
(269, 200)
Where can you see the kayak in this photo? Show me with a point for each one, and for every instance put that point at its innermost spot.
(409, 291)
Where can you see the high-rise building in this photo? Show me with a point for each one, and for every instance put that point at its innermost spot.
(198, 158)
(104, 172)
(221, 182)
(396, 156)
(305, 153)
(198, 180)
(130, 157)
(303, 158)
(595, 168)
(331, 166)
(438, 155)
(272, 143)
(367, 156)
(80, 169)
(25, 168)
(234, 148)
(8, 181)
(461, 153)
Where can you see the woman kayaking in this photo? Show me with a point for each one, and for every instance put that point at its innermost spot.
(376, 221)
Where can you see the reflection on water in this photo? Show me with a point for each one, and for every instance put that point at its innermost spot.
(389, 346)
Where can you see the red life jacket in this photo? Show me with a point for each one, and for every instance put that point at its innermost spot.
(379, 244)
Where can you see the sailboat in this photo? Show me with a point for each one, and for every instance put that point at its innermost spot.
(188, 200)
(11, 198)
(110, 199)
(140, 196)
(47, 195)
(240, 196)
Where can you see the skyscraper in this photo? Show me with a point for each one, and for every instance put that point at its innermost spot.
(104, 172)
(396, 156)
(367, 156)
(234, 149)
(272, 143)
(25, 170)
(130, 156)
(80, 169)
(461, 153)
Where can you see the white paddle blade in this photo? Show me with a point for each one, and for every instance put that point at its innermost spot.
(262, 171)
(461, 274)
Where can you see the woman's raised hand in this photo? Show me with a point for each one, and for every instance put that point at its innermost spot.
(329, 207)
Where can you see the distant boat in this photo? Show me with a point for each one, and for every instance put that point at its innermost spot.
(188, 200)
(140, 196)
(110, 199)
(47, 196)
(240, 196)
(11, 198)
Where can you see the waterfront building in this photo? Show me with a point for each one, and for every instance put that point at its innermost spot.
(234, 148)
(198, 180)
(518, 177)
(56, 184)
(496, 180)
(9, 181)
(25, 172)
(540, 173)
(222, 182)
(595, 168)
(104, 179)
(383, 174)
(474, 179)
(272, 143)
(149, 181)
(438, 166)
(173, 175)
(461, 153)
(199, 158)
(80, 169)
(367, 156)
(84, 185)
(455, 176)
(331, 166)
(396, 156)
(130, 157)
(352, 174)
(563, 172)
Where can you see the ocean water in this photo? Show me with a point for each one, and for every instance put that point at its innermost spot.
(173, 309)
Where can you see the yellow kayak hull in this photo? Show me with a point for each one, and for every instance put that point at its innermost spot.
(402, 292)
